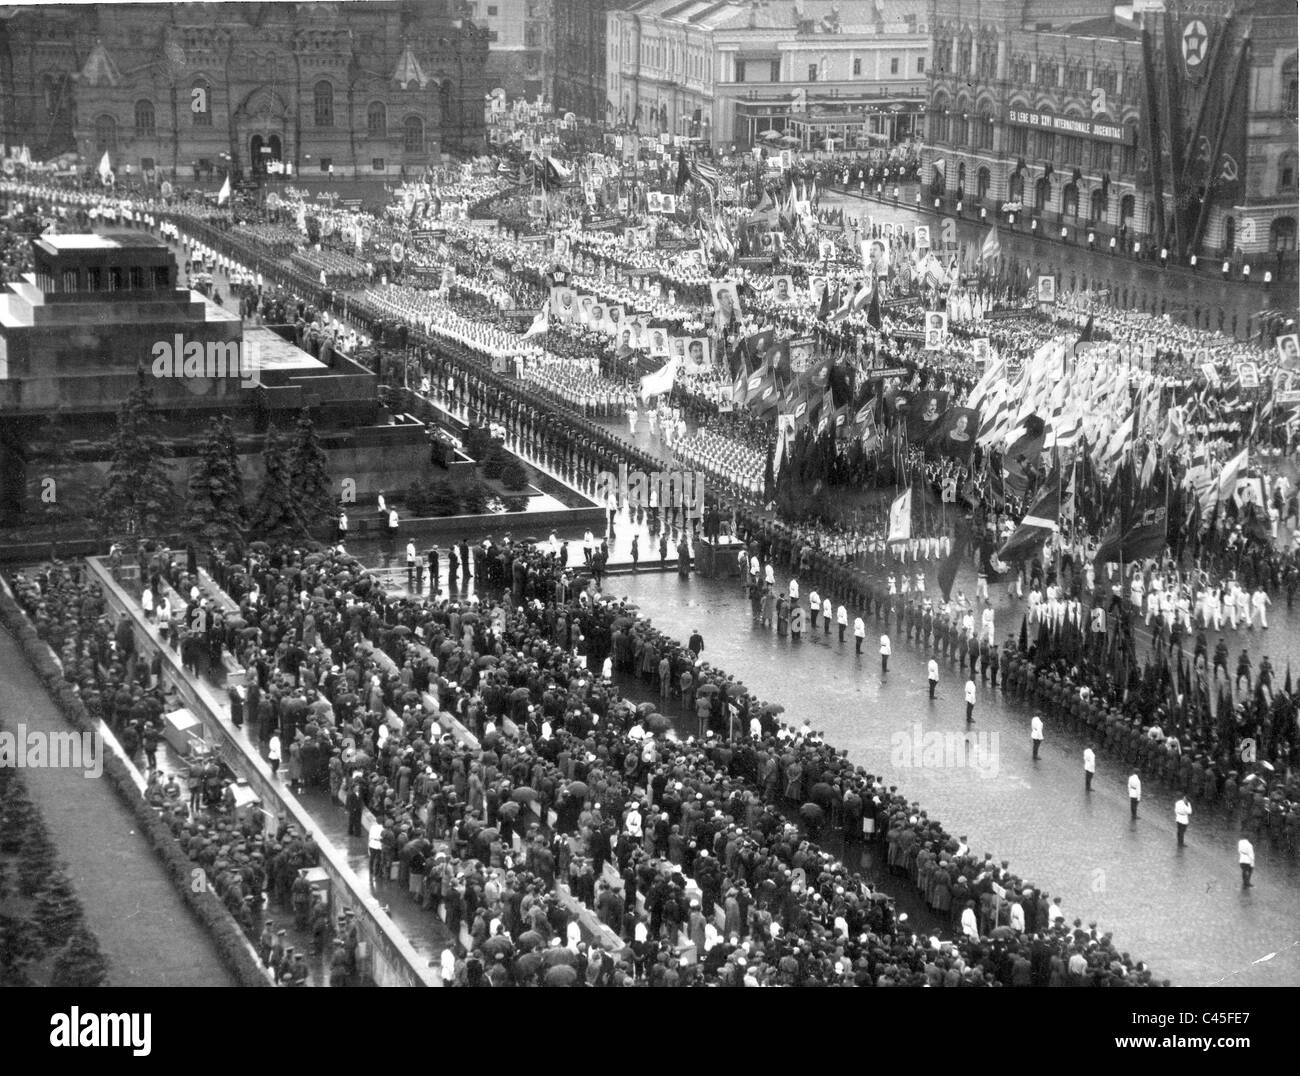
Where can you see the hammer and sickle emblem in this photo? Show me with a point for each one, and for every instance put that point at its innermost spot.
(1228, 169)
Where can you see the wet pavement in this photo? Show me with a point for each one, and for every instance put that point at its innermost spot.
(1182, 911)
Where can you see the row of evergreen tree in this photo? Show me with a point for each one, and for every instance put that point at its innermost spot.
(139, 501)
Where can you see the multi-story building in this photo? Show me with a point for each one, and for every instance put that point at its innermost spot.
(580, 58)
(730, 72)
(521, 49)
(1060, 108)
(361, 88)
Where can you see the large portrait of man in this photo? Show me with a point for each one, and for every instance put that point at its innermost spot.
(1288, 351)
(783, 289)
(659, 343)
(697, 356)
(936, 329)
(562, 303)
(726, 302)
(875, 256)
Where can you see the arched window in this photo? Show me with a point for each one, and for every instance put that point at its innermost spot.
(144, 119)
(1286, 172)
(961, 122)
(1290, 89)
(200, 103)
(1042, 194)
(376, 119)
(1281, 236)
(1126, 211)
(446, 101)
(50, 90)
(413, 135)
(984, 127)
(1128, 151)
(1016, 188)
(1070, 200)
(105, 134)
(982, 184)
(1229, 234)
(1097, 208)
(323, 95)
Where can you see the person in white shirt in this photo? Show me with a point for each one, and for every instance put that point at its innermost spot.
(1261, 602)
(632, 825)
(970, 701)
(932, 674)
(1036, 733)
(375, 846)
(1182, 816)
(1246, 857)
(885, 651)
(146, 602)
(859, 634)
(1134, 794)
(969, 924)
(273, 753)
(794, 590)
(383, 504)
(1017, 917)
(826, 617)
(814, 607)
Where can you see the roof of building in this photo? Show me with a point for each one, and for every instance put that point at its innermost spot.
(99, 69)
(408, 70)
(1102, 26)
(854, 16)
(106, 241)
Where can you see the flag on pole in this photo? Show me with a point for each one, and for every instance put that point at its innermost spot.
(1228, 476)
(1040, 523)
(661, 380)
(223, 195)
(991, 248)
(541, 324)
(105, 169)
(900, 517)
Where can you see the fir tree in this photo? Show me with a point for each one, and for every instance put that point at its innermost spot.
(20, 945)
(17, 814)
(80, 962)
(138, 496)
(56, 463)
(58, 912)
(214, 503)
(37, 860)
(309, 473)
(276, 513)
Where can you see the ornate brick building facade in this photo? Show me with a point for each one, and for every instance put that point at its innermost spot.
(1053, 104)
(362, 88)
